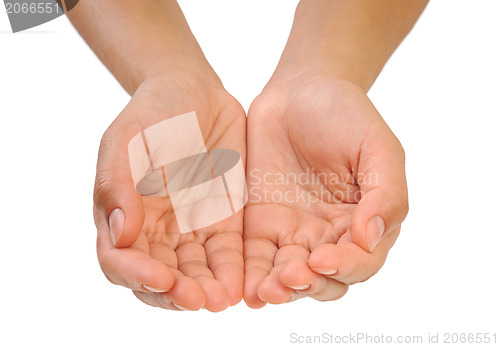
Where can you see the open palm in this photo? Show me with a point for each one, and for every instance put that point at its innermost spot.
(323, 168)
(164, 268)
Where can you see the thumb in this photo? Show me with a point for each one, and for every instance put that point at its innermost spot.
(384, 195)
(115, 196)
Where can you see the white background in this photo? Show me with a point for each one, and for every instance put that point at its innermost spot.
(439, 93)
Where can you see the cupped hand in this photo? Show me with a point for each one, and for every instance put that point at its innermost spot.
(138, 243)
(327, 190)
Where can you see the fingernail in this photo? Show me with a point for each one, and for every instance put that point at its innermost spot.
(153, 289)
(116, 224)
(304, 287)
(326, 272)
(374, 231)
(180, 307)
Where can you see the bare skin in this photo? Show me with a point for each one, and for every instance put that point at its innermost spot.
(294, 236)
(203, 268)
(150, 49)
(299, 239)
(315, 238)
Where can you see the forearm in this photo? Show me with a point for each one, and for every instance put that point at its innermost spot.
(351, 39)
(140, 39)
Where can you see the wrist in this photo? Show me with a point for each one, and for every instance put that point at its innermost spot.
(196, 79)
(140, 40)
(192, 71)
(175, 60)
(320, 44)
(318, 68)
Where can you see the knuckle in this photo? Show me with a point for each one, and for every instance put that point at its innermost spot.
(401, 151)
(102, 182)
(403, 208)
(102, 188)
(105, 270)
(398, 148)
(110, 279)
